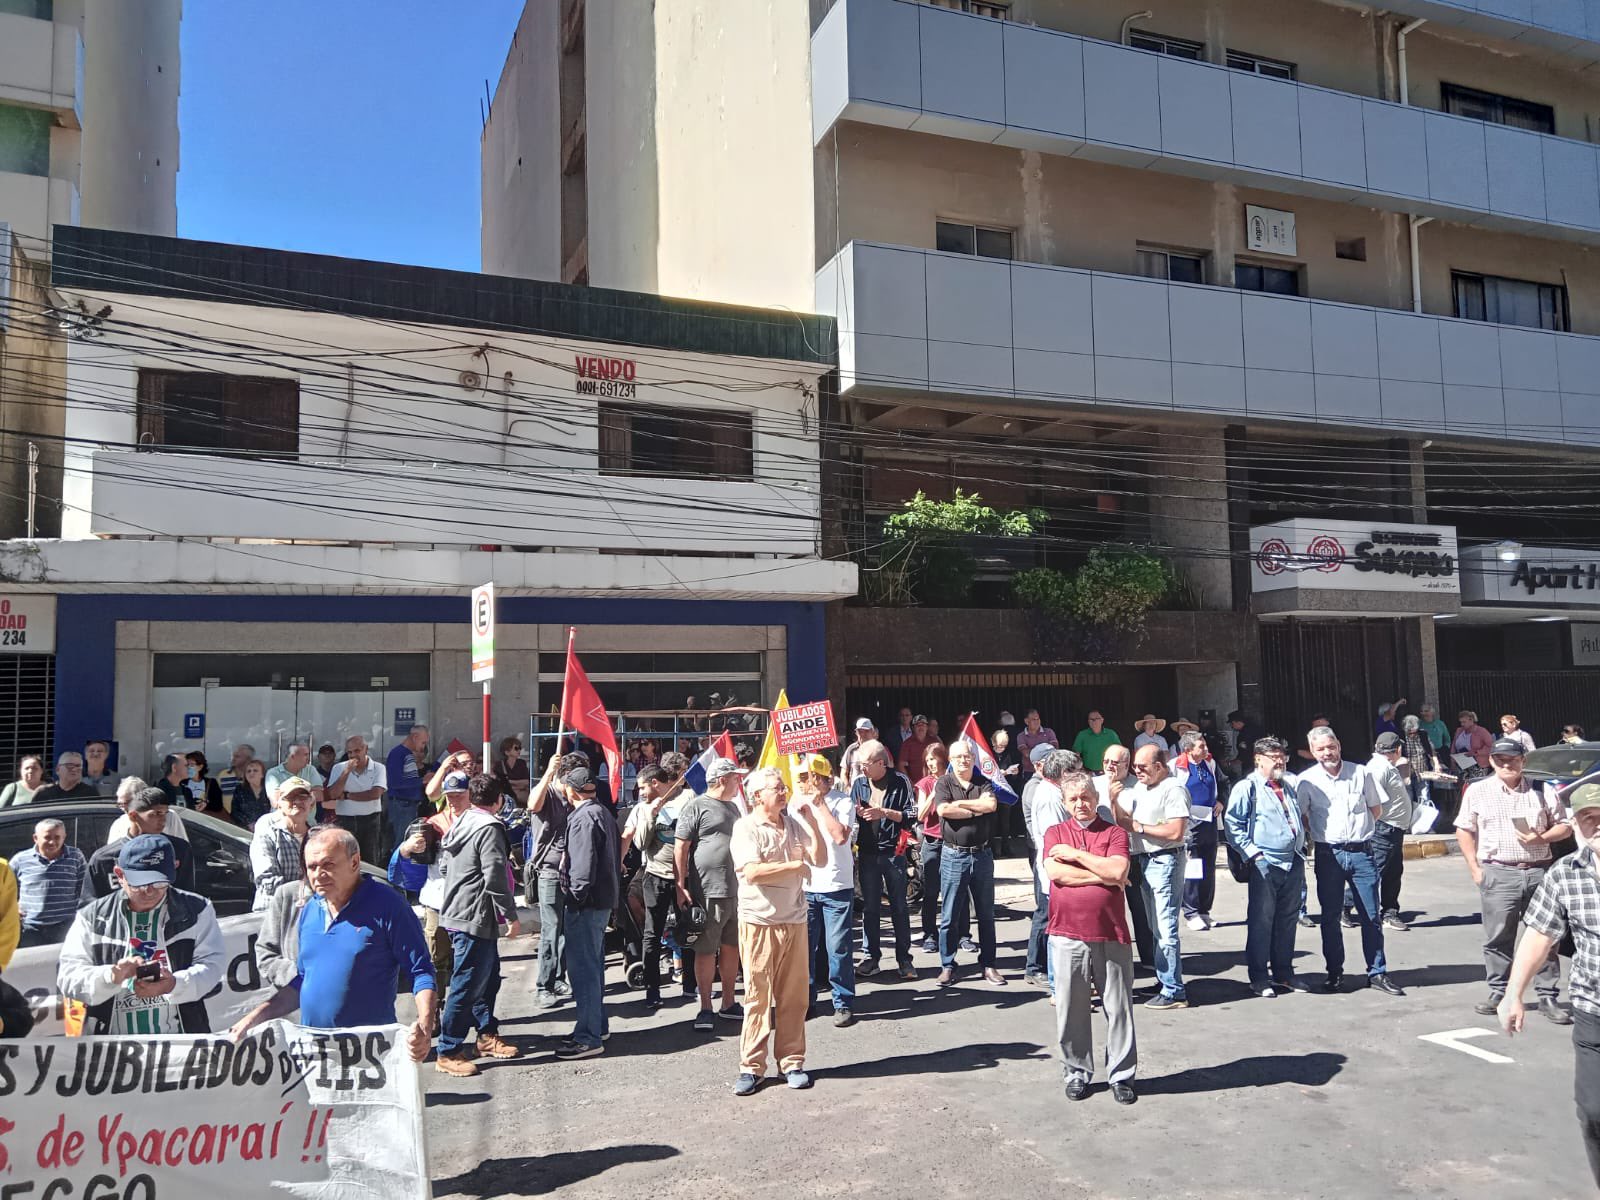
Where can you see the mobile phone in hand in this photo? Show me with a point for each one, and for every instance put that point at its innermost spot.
(149, 972)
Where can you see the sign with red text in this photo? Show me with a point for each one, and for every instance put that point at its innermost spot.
(308, 1112)
(804, 728)
(27, 623)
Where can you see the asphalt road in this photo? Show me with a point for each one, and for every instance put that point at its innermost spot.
(944, 1093)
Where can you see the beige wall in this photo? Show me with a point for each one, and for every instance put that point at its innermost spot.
(621, 60)
(521, 206)
(1447, 248)
(1575, 96)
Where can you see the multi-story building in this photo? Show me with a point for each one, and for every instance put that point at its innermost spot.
(1265, 286)
(286, 472)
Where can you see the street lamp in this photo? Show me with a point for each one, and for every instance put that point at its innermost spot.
(1508, 551)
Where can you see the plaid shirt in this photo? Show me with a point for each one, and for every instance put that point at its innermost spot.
(1488, 809)
(276, 857)
(1569, 900)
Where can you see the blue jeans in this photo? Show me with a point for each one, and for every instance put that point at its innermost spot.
(1038, 933)
(552, 933)
(1273, 915)
(964, 874)
(474, 984)
(1335, 869)
(1162, 893)
(880, 873)
(829, 918)
(586, 968)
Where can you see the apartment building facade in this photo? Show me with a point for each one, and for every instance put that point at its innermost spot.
(1300, 295)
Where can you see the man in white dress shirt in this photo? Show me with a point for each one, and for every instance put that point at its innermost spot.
(1344, 803)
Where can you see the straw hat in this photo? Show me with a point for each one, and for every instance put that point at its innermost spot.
(1149, 723)
(1184, 725)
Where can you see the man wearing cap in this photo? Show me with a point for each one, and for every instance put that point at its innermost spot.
(913, 756)
(1506, 826)
(356, 935)
(591, 885)
(52, 881)
(147, 814)
(1394, 821)
(143, 958)
(548, 809)
(884, 808)
(850, 765)
(1568, 902)
(830, 888)
(1149, 729)
(1093, 741)
(703, 858)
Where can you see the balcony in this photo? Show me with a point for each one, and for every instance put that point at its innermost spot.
(914, 322)
(41, 66)
(912, 66)
(1570, 28)
(132, 494)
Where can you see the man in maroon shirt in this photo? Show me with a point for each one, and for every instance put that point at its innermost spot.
(1086, 859)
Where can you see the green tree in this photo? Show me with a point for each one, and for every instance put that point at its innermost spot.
(926, 556)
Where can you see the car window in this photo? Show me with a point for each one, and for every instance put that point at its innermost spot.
(221, 869)
(16, 834)
(91, 830)
(1563, 763)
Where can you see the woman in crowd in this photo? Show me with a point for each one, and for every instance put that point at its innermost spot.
(931, 836)
(1420, 757)
(205, 793)
(30, 778)
(250, 799)
(511, 769)
(1474, 740)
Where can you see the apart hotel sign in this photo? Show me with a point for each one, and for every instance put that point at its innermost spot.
(1354, 556)
(1542, 577)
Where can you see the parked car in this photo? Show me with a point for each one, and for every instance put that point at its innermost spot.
(1562, 764)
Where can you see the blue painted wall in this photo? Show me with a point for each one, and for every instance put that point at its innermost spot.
(86, 632)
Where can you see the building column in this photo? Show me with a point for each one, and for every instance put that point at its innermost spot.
(1189, 518)
(1422, 652)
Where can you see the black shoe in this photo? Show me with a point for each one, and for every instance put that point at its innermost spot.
(867, 967)
(1077, 1088)
(1122, 1093)
(1348, 920)
(1292, 984)
(1386, 985)
(1334, 982)
(1487, 1008)
(1554, 1013)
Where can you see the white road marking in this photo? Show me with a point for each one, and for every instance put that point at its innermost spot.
(1455, 1040)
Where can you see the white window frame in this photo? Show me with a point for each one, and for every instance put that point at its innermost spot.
(1244, 60)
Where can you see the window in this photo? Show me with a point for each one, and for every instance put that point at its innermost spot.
(1161, 44)
(978, 8)
(199, 411)
(1177, 265)
(1499, 110)
(1354, 249)
(1279, 281)
(973, 239)
(1257, 65)
(24, 140)
(637, 439)
(1510, 301)
(43, 10)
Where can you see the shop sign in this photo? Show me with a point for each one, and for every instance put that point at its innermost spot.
(1354, 556)
(404, 719)
(27, 624)
(1541, 576)
(1269, 230)
(1586, 645)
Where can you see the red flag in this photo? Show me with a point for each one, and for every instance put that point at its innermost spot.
(582, 712)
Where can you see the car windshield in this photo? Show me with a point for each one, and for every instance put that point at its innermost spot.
(1563, 764)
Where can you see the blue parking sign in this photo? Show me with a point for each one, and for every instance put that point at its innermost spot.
(194, 725)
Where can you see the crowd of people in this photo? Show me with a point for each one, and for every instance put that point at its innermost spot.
(754, 875)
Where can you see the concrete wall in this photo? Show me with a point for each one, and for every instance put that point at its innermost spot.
(1191, 512)
(622, 66)
(520, 148)
(33, 362)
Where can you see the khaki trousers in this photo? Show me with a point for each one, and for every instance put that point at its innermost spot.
(777, 992)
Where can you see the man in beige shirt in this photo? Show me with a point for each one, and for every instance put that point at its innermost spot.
(772, 855)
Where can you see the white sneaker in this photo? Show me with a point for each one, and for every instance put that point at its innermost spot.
(1206, 917)
(1197, 924)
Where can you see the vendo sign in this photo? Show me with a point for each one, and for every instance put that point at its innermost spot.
(804, 728)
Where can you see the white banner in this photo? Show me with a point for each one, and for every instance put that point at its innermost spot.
(288, 1110)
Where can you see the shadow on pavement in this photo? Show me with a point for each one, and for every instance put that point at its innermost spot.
(538, 1174)
(980, 1056)
(1307, 1070)
(1439, 975)
(1441, 922)
(455, 1099)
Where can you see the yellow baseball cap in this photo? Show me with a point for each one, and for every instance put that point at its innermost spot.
(814, 764)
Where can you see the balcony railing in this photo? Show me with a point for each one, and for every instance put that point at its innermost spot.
(916, 321)
(914, 66)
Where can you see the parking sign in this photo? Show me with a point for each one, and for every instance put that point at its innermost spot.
(483, 633)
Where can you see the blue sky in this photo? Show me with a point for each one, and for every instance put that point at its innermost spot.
(338, 126)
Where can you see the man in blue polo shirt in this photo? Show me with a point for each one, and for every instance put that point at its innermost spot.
(407, 768)
(356, 934)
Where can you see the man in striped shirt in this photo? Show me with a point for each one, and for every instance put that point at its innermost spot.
(52, 881)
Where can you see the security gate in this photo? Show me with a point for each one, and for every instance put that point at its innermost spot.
(1343, 669)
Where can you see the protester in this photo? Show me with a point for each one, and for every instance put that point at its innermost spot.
(1036, 964)
(1266, 822)
(772, 853)
(1008, 820)
(591, 886)
(900, 734)
(547, 822)
(327, 755)
(1389, 832)
(1156, 812)
(652, 826)
(1570, 734)
(249, 801)
(143, 959)
(278, 841)
(1511, 727)
(1388, 716)
(1474, 741)
(477, 906)
(850, 767)
(914, 750)
(52, 882)
(356, 935)
(930, 843)
(1506, 826)
(123, 828)
(1438, 732)
(230, 779)
(1342, 803)
(1197, 771)
(885, 811)
(357, 788)
(1149, 729)
(277, 948)
(147, 815)
(1086, 862)
(1034, 733)
(1113, 788)
(97, 772)
(30, 778)
(297, 763)
(511, 769)
(404, 770)
(966, 804)
(830, 885)
(421, 849)
(1242, 737)
(1568, 902)
(1093, 741)
(10, 918)
(703, 861)
(69, 784)
(1421, 758)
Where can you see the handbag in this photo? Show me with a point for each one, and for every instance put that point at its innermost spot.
(1238, 864)
(1424, 816)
